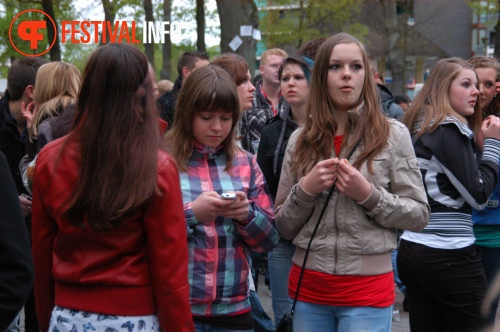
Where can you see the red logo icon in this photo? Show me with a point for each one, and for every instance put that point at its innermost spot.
(31, 31)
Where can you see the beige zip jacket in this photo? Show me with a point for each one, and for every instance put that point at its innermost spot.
(355, 238)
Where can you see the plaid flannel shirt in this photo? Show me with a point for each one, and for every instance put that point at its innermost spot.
(218, 252)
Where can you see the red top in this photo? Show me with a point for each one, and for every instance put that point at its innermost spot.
(137, 268)
(337, 143)
(343, 290)
(275, 112)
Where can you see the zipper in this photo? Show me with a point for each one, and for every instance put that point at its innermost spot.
(216, 243)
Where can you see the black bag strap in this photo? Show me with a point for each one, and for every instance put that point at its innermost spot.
(314, 233)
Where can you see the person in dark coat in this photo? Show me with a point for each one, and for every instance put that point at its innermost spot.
(16, 263)
(188, 62)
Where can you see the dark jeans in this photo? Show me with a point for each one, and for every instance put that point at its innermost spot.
(30, 320)
(490, 258)
(444, 288)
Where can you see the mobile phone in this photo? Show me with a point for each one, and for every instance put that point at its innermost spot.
(28, 197)
(229, 196)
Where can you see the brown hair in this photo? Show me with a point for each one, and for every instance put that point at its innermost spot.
(432, 105)
(117, 130)
(486, 62)
(189, 59)
(369, 126)
(207, 89)
(310, 49)
(234, 64)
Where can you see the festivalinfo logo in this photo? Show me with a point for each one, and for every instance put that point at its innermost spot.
(32, 32)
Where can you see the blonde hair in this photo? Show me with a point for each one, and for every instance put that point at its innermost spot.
(164, 86)
(369, 126)
(272, 51)
(56, 87)
(432, 104)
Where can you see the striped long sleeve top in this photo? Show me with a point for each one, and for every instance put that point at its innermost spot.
(218, 252)
(454, 182)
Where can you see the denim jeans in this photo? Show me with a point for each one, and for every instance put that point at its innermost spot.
(279, 265)
(198, 327)
(261, 320)
(14, 326)
(398, 281)
(310, 317)
(490, 258)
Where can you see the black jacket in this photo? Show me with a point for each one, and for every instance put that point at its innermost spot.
(16, 263)
(11, 143)
(166, 103)
(273, 141)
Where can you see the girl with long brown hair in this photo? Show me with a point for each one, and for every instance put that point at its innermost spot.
(360, 166)
(108, 227)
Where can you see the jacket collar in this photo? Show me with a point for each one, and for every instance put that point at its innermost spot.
(200, 150)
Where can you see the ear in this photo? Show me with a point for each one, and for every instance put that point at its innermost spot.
(29, 91)
(185, 72)
(261, 69)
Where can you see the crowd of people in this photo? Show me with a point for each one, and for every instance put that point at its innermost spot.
(133, 204)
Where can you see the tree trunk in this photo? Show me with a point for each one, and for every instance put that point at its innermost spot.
(233, 14)
(109, 15)
(167, 46)
(200, 25)
(55, 51)
(149, 47)
(394, 54)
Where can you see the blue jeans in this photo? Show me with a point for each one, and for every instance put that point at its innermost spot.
(14, 326)
(398, 281)
(279, 265)
(490, 258)
(198, 327)
(310, 317)
(262, 321)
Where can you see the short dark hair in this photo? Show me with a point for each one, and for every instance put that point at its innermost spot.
(310, 48)
(22, 73)
(305, 63)
(400, 99)
(188, 60)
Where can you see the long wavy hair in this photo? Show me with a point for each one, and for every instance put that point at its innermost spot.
(368, 126)
(117, 130)
(432, 105)
(57, 85)
(207, 89)
(486, 62)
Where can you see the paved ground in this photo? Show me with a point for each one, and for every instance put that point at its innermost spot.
(397, 326)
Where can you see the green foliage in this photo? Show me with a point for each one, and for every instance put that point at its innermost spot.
(486, 9)
(296, 22)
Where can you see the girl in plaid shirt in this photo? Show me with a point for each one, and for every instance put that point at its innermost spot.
(220, 232)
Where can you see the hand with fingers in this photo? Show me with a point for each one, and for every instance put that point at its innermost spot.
(237, 209)
(321, 177)
(28, 113)
(351, 182)
(25, 205)
(490, 127)
(209, 205)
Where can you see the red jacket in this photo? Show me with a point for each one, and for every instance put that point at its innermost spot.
(137, 268)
